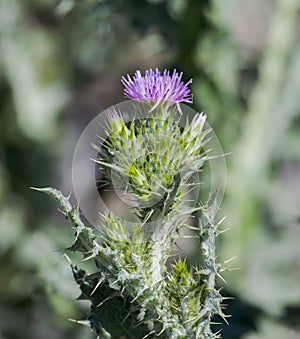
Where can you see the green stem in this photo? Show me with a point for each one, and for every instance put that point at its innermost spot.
(213, 298)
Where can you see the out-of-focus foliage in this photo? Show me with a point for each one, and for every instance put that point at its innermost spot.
(60, 64)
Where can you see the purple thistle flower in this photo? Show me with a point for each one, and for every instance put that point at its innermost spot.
(157, 88)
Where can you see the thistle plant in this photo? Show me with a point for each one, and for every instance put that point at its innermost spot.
(138, 288)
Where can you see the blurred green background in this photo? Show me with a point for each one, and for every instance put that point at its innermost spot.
(60, 65)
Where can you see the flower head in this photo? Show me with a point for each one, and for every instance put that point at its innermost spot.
(157, 88)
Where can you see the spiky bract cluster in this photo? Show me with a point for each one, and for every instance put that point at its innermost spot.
(151, 161)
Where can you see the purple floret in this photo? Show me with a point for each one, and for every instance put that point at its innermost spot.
(157, 88)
